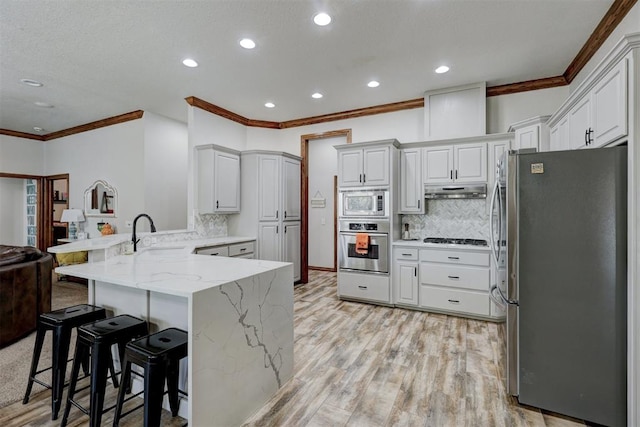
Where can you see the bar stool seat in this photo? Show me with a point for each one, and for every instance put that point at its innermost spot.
(96, 339)
(61, 323)
(159, 354)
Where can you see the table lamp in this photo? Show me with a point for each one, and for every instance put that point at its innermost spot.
(72, 216)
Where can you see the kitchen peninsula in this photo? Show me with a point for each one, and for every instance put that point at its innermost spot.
(238, 313)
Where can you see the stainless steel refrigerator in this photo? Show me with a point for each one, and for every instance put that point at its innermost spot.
(562, 233)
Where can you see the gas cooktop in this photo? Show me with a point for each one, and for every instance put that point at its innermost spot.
(449, 241)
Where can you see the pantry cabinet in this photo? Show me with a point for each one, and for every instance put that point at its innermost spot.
(217, 179)
(454, 163)
(271, 206)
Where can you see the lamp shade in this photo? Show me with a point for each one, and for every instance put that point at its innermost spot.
(72, 215)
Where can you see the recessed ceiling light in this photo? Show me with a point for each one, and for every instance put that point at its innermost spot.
(43, 104)
(322, 19)
(247, 43)
(30, 82)
(190, 63)
(38, 129)
(270, 105)
(373, 83)
(442, 69)
(317, 95)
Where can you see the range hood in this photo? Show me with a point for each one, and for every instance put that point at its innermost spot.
(467, 191)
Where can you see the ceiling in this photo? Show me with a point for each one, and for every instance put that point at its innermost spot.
(98, 59)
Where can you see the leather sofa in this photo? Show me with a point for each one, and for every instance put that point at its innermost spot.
(25, 290)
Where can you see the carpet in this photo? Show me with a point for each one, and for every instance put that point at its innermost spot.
(15, 359)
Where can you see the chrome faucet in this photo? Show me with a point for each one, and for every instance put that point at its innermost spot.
(133, 237)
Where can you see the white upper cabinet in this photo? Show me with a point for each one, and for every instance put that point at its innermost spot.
(364, 167)
(579, 120)
(609, 111)
(560, 135)
(531, 133)
(470, 162)
(411, 188)
(454, 163)
(596, 115)
(291, 190)
(217, 179)
(269, 191)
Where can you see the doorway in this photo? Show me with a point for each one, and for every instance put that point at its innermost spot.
(56, 200)
(319, 184)
(21, 213)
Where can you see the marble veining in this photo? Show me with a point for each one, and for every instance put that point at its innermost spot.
(254, 333)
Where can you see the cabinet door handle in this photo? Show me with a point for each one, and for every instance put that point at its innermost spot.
(215, 254)
(415, 271)
(276, 214)
(277, 229)
(243, 249)
(406, 254)
(364, 177)
(454, 301)
(586, 136)
(456, 173)
(454, 277)
(589, 140)
(285, 228)
(362, 287)
(453, 257)
(451, 174)
(360, 177)
(285, 214)
(418, 204)
(217, 204)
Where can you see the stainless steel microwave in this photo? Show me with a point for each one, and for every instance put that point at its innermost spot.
(364, 203)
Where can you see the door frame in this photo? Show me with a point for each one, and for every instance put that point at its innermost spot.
(304, 197)
(48, 205)
(41, 243)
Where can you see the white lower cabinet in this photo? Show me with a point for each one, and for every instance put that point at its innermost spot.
(444, 281)
(236, 250)
(405, 276)
(364, 287)
(292, 246)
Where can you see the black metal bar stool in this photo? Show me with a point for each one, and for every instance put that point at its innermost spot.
(159, 354)
(61, 323)
(97, 338)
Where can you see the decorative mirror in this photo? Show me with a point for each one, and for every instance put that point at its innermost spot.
(101, 199)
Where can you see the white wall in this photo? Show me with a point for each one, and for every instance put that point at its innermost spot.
(165, 172)
(323, 166)
(114, 154)
(13, 199)
(20, 155)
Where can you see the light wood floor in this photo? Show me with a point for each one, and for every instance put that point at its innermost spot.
(364, 365)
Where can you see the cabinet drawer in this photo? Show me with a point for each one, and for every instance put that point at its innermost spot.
(409, 254)
(216, 251)
(454, 300)
(364, 286)
(241, 249)
(246, 256)
(455, 257)
(457, 276)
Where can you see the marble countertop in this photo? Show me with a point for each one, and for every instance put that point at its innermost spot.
(421, 245)
(109, 241)
(172, 271)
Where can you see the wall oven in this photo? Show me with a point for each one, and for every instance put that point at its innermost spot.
(375, 259)
(359, 203)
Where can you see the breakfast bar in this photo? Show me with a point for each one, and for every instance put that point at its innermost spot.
(238, 314)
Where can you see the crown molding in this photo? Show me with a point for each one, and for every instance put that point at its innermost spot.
(122, 118)
(24, 135)
(608, 23)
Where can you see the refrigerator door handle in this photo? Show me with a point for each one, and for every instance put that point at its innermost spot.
(504, 298)
(496, 189)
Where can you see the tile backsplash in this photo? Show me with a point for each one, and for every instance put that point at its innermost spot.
(211, 225)
(465, 218)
